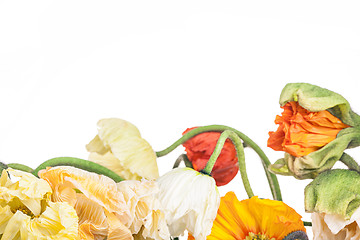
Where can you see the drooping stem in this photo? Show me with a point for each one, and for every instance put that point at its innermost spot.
(240, 155)
(272, 179)
(78, 163)
(21, 167)
(350, 162)
(182, 158)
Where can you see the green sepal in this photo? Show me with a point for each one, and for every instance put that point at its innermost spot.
(309, 166)
(315, 99)
(334, 191)
(280, 167)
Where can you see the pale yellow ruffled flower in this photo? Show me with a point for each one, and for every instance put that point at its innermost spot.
(120, 147)
(26, 212)
(147, 216)
(190, 199)
(333, 227)
(97, 205)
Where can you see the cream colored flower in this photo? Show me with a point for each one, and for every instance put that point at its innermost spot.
(147, 216)
(119, 147)
(335, 227)
(97, 205)
(190, 199)
(26, 212)
(332, 198)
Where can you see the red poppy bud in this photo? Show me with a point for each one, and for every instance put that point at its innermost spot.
(199, 150)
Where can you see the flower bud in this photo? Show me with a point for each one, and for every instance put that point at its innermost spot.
(316, 127)
(334, 199)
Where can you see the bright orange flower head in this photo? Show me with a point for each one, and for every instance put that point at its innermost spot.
(254, 217)
(199, 150)
(301, 132)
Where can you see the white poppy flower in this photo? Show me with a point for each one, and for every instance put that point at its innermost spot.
(191, 200)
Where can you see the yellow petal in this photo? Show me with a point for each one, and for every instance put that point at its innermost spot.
(119, 146)
(14, 225)
(98, 188)
(117, 230)
(6, 215)
(92, 219)
(58, 221)
(27, 189)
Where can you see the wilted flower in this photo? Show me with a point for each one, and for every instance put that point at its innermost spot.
(333, 200)
(317, 125)
(97, 204)
(255, 218)
(302, 132)
(119, 147)
(190, 199)
(27, 212)
(199, 150)
(147, 216)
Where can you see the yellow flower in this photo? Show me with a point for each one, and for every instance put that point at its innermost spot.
(119, 147)
(27, 213)
(190, 199)
(254, 218)
(97, 205)
(147, 215)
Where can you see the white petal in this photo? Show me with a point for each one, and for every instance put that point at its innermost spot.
(191, 201)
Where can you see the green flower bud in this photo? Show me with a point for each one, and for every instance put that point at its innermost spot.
(334, 191)
(333, 198)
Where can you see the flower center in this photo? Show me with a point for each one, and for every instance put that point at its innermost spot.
(17, 205)
(259, 236)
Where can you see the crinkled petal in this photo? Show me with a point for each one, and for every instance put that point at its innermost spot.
(58, 221)
(92, 219)
(99, 188)
(191, 201)
(119, 146)
(147, 217)
(27, 188)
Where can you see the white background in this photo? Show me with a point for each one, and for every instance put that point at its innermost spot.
(166, 66)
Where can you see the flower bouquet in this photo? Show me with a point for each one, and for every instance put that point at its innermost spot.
(117, 192)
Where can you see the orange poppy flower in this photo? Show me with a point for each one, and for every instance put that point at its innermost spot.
(301, 132)
(254, 218)
(199, 150)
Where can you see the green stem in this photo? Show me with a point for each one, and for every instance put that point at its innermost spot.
(307, 224)
(21, 167)
(350, 162)
(78, 163)
(240, 155)
(182, 158)
(3, 166)
(272, 179)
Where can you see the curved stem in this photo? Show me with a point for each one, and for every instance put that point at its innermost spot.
(78, 163)
(21, 167)
(350, 162)
(240, 155)
(272, 179)
(182, 158)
